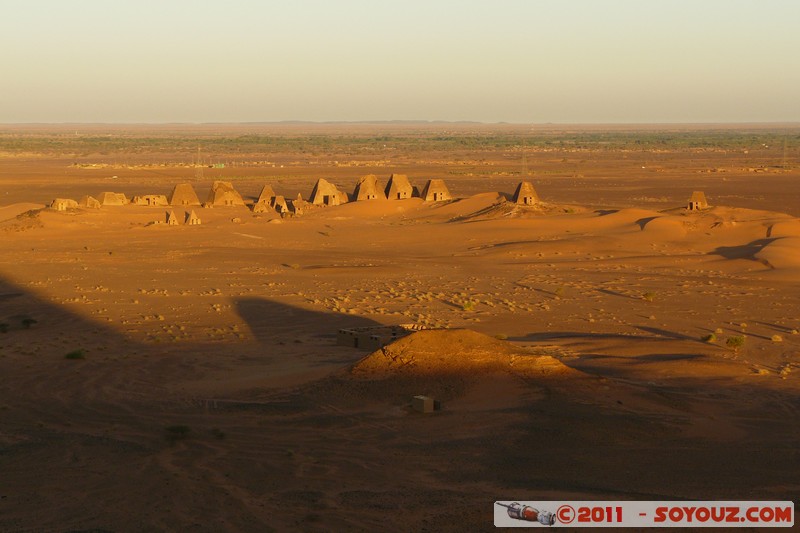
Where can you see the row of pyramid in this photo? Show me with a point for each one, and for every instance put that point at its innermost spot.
(223, 193)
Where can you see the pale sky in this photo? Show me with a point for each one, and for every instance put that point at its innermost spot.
(525, 61)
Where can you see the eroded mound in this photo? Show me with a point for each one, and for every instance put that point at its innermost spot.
(456, 351)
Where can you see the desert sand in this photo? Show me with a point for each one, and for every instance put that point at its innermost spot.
(605, 343)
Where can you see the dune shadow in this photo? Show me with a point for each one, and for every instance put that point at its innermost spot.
(668, 334)
(41, 326)
(664, 357)
(616, 293)
(642, 222)
(552, 335)
(25, 317)
(744, 251)
(775, 327)
(605, 212)
(273, 322)
(619, 366)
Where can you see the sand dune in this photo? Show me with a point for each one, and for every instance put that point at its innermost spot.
(781, 253)
(456, 352)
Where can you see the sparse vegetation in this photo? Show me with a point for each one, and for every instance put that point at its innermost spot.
(76, 354)
(177, 432)
(711, 337)
(735, 342)
(777, 338)
(468, 305)
(501, 336)
(649, 296)
(28, 322)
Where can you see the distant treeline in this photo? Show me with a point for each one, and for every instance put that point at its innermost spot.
(76, 144)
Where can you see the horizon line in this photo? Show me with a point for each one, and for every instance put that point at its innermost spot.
(401, 122)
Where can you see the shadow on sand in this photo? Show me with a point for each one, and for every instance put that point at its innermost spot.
(272, 322)
(745, 251)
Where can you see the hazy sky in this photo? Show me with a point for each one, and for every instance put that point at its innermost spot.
(494, 60)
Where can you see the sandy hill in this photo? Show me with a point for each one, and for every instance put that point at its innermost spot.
(14, 210)
(456, 351)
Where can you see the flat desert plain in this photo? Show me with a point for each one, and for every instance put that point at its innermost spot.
(605, 343)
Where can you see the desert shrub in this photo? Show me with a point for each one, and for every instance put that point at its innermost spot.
(709, 338)
(777, 338)
(735, 342)
(649, 296)
(468, 306)
(177, 432)
(559, 291)
(28, 322)
(501, 336)
(75, 354)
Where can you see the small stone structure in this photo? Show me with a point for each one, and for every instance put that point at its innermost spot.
(172, 220)
(279, 204)
(183, 195)
(697, 201)
(436, 191)
(368, 189)
(425, 404)
(159, 200)
(398, 187)
(62, 204)
(90, 202)
(374, 337)
(526, 194)
(261, 207)
(299, 206)
(192, 219)
(266, 196)
(113, 198)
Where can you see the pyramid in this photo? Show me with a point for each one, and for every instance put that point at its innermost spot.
(261, 207)
(525, 194)
(326, 193)
(368, 189)
(436, 191)
(398, 187)
(183, 194)
(192, 219)
(222, 193)
(280, 205)
(697, 201)
(172, 220)
(266, 196)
